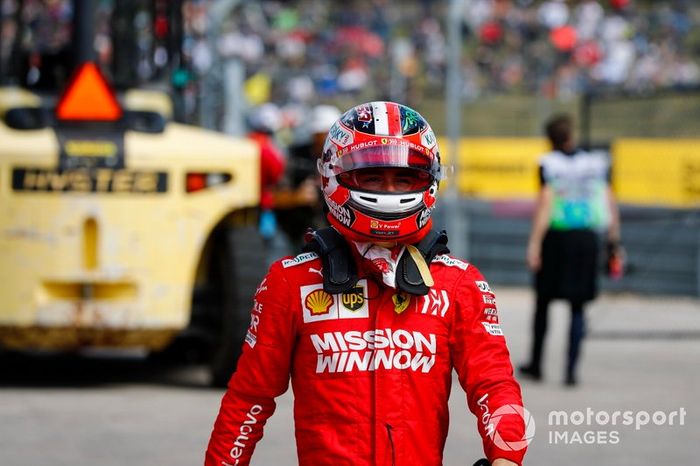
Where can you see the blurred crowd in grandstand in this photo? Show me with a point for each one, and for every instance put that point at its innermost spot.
(309, 51)
(314, 49)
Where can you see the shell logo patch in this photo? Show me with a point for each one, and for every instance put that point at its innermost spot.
(318, 302)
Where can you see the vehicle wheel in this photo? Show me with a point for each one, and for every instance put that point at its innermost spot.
(238, 265)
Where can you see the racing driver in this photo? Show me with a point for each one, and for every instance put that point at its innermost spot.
(372, 317)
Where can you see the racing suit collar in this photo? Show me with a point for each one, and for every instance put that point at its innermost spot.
(379, 260)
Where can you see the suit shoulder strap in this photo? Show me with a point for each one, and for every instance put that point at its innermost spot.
(339, 269)
(408, 276)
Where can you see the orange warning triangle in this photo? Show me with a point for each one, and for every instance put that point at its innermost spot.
(88, 97)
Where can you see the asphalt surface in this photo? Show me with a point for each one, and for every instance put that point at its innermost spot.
(641, 356)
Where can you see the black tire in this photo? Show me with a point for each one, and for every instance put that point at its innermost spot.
(238, 264)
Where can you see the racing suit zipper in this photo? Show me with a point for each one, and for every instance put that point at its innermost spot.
(391, 443)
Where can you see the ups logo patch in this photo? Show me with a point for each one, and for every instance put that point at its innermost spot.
(354, 299)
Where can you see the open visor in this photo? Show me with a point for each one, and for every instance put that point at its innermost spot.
(384, 156)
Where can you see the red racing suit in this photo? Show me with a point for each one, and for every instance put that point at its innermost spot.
(371, 369)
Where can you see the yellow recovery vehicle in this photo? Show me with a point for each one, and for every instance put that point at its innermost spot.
(121, 228)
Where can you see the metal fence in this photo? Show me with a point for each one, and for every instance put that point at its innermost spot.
(663, 246)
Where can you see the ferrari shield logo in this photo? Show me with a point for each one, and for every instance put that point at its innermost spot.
(401, 301)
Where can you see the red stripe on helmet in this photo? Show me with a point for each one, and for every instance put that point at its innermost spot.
(394, 118)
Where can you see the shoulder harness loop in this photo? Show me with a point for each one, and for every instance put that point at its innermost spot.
(340, 272)
(408, 275)
(339, 269)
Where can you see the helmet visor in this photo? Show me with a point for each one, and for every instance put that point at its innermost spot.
(383, 157)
